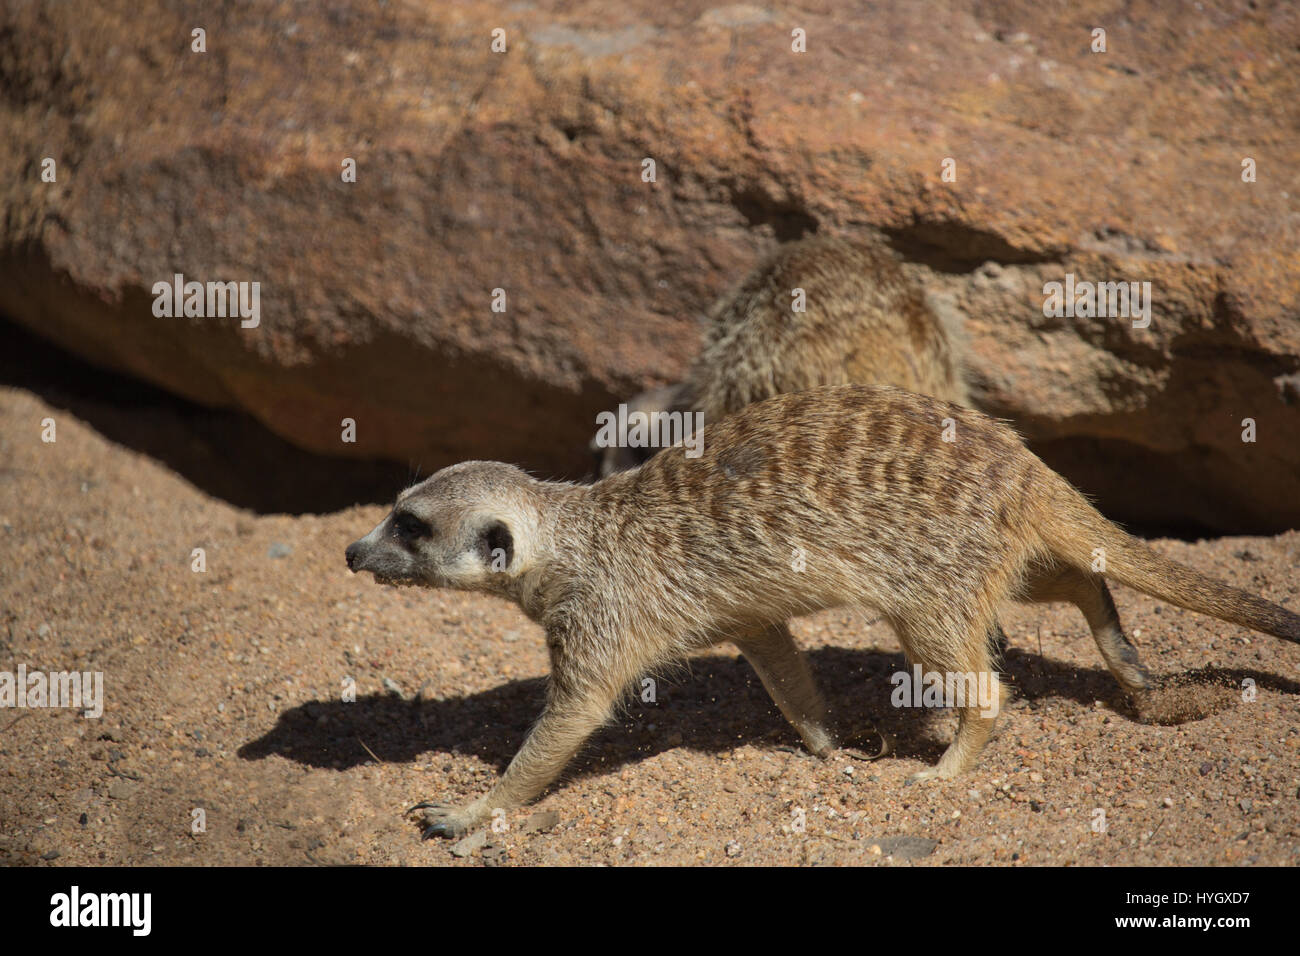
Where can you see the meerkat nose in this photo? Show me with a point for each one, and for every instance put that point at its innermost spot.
(351, 555)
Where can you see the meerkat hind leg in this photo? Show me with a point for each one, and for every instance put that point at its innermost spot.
(1088, 592)
(784, 671)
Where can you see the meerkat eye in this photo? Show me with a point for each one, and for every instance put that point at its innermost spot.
(408, 525)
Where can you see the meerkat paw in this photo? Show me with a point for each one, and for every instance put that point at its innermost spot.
(930, 773)
(445, 820)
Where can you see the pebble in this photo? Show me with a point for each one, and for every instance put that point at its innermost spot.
(122, 789)
(905, 847)
(466, 847)
(542, 820)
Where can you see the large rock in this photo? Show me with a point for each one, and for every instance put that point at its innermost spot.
(521, 171)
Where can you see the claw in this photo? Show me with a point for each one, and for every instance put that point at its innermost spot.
(440, 820)
(437, 830)
(886, 744)
(427, 805)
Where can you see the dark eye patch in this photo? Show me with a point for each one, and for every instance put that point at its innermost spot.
(409, 526)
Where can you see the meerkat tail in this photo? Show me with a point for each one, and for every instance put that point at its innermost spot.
(1083, 537)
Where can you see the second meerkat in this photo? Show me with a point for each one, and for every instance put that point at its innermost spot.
(648, 565)
(818, 311)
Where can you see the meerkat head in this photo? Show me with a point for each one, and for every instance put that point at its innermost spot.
(472, 527)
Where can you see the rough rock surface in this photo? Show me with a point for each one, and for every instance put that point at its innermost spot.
(521, 171)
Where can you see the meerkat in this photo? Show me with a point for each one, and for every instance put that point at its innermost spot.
(819, 311)
(925, 512)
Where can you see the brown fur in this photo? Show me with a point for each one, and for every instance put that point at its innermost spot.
(865, 322)
(648, 565)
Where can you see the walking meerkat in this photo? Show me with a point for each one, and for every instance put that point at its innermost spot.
(861, 320)
(860, 482)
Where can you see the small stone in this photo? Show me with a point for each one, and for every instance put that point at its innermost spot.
(279, 550)
(467, 846)
(542, 820)
(907, 847)
(122, 789)
(733, 849)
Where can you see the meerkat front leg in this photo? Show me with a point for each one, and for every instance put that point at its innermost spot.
(783, 670)
(565, 724)
(583, 688)
(951, 650)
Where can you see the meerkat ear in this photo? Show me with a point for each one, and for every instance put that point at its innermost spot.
(496, 546)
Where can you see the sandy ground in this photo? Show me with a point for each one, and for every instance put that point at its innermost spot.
(224, 693)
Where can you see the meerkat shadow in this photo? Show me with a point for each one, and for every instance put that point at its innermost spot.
(713, 704)
(1177, 697)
